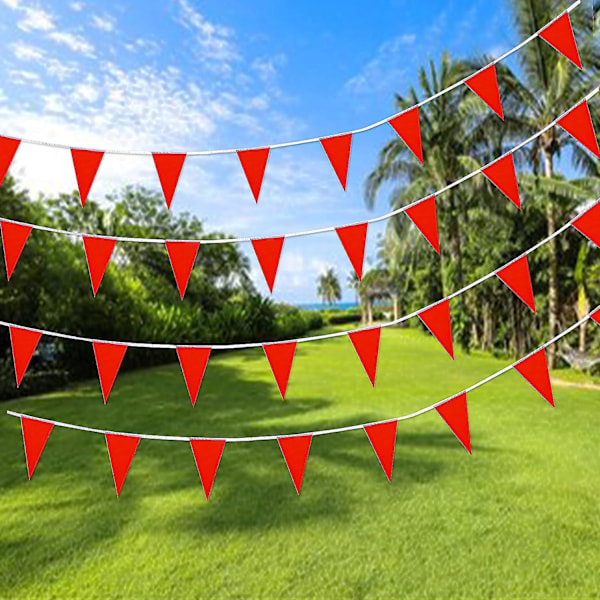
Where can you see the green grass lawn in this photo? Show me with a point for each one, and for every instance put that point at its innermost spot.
(517, 518)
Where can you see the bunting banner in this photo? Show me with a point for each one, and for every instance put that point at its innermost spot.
(97, 252)
(14, 238)
(168, 168)
(182, 256)
(23, 344)
(354, 238)
(207, 452)
(485, 85)
(436, 317)
(86, 163)
(558, 33)
(423, 214)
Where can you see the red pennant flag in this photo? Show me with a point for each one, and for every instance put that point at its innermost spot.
(268, 252)
(383, 439)
(23, 342)
(280, 357)
(424, 216)
(14, 237)
(168, 167)
(560, 36)
(485, 85)
(535, 370)
(517, 277)
(8, 147)
(254, 163)
(578, 123)
(108, 360)
(193, 363)
(295, 452)
(35, 436)
(437, 320)
(207, 455)
(86, 163)
(353, 239)
(182, 256)
(596, 316)
(121, 449)
(454, 412)
(503, 175)
(97, 252)
(366, 344)
(589, 224)
(338, 151)
(408, 127)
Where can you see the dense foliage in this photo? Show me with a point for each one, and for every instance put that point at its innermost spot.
(138, 299)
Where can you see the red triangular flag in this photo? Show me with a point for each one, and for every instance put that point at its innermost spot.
(485, 85)
(578, 123)
(35, 436)
(408, 127)
(454, 412)
(14, 237)
(182, 256)
(535, 370)
(437, 320)
(596, 316)
(280, 357)
(8, 147)
(121, 449)
(207, 455)
(424, 216)
(503, 175)
(268, 252)
(517, 277)
(383, 439)
(97, 252)
(86, 163)
(589, 224)
(108, 360)
(353, 239)
(338, 150)
(193, 363)
(295, 452)
(254, 163)
(560, 36)
(168, 167)
(23, 342)
(366, 344)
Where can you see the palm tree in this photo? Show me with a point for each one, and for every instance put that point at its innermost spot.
(548, 85)
(328, 287)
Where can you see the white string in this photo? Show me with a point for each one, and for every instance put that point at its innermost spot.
(313, 338)
(392, 213)
(312, 140)
(263, 438)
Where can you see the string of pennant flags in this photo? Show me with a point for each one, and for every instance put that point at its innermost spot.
(109, 355)
(484, 83)
(182, 254)
(207, 452)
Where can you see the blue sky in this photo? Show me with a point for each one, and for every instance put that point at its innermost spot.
(183, 75)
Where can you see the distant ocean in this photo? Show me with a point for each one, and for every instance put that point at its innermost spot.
(321, 306)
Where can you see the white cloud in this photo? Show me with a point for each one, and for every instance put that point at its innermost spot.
(36, 19)
(14, 4)
(88, 90)
(213, 43)
(25, 51)
(103, 23)
(74, 42)
(77, 6)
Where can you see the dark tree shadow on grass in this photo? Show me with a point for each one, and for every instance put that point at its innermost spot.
(70, 508)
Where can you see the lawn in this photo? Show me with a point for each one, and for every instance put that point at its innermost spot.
(517, 518)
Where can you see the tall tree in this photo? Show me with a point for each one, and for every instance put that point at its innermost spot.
(328, 287)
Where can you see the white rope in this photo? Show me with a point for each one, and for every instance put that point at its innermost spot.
(313, 338)
(312, 140)
(263, 438)
(392, 213)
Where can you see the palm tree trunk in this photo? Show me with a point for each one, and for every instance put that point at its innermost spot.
(369, 312)
(396, 307)
(552, 265)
